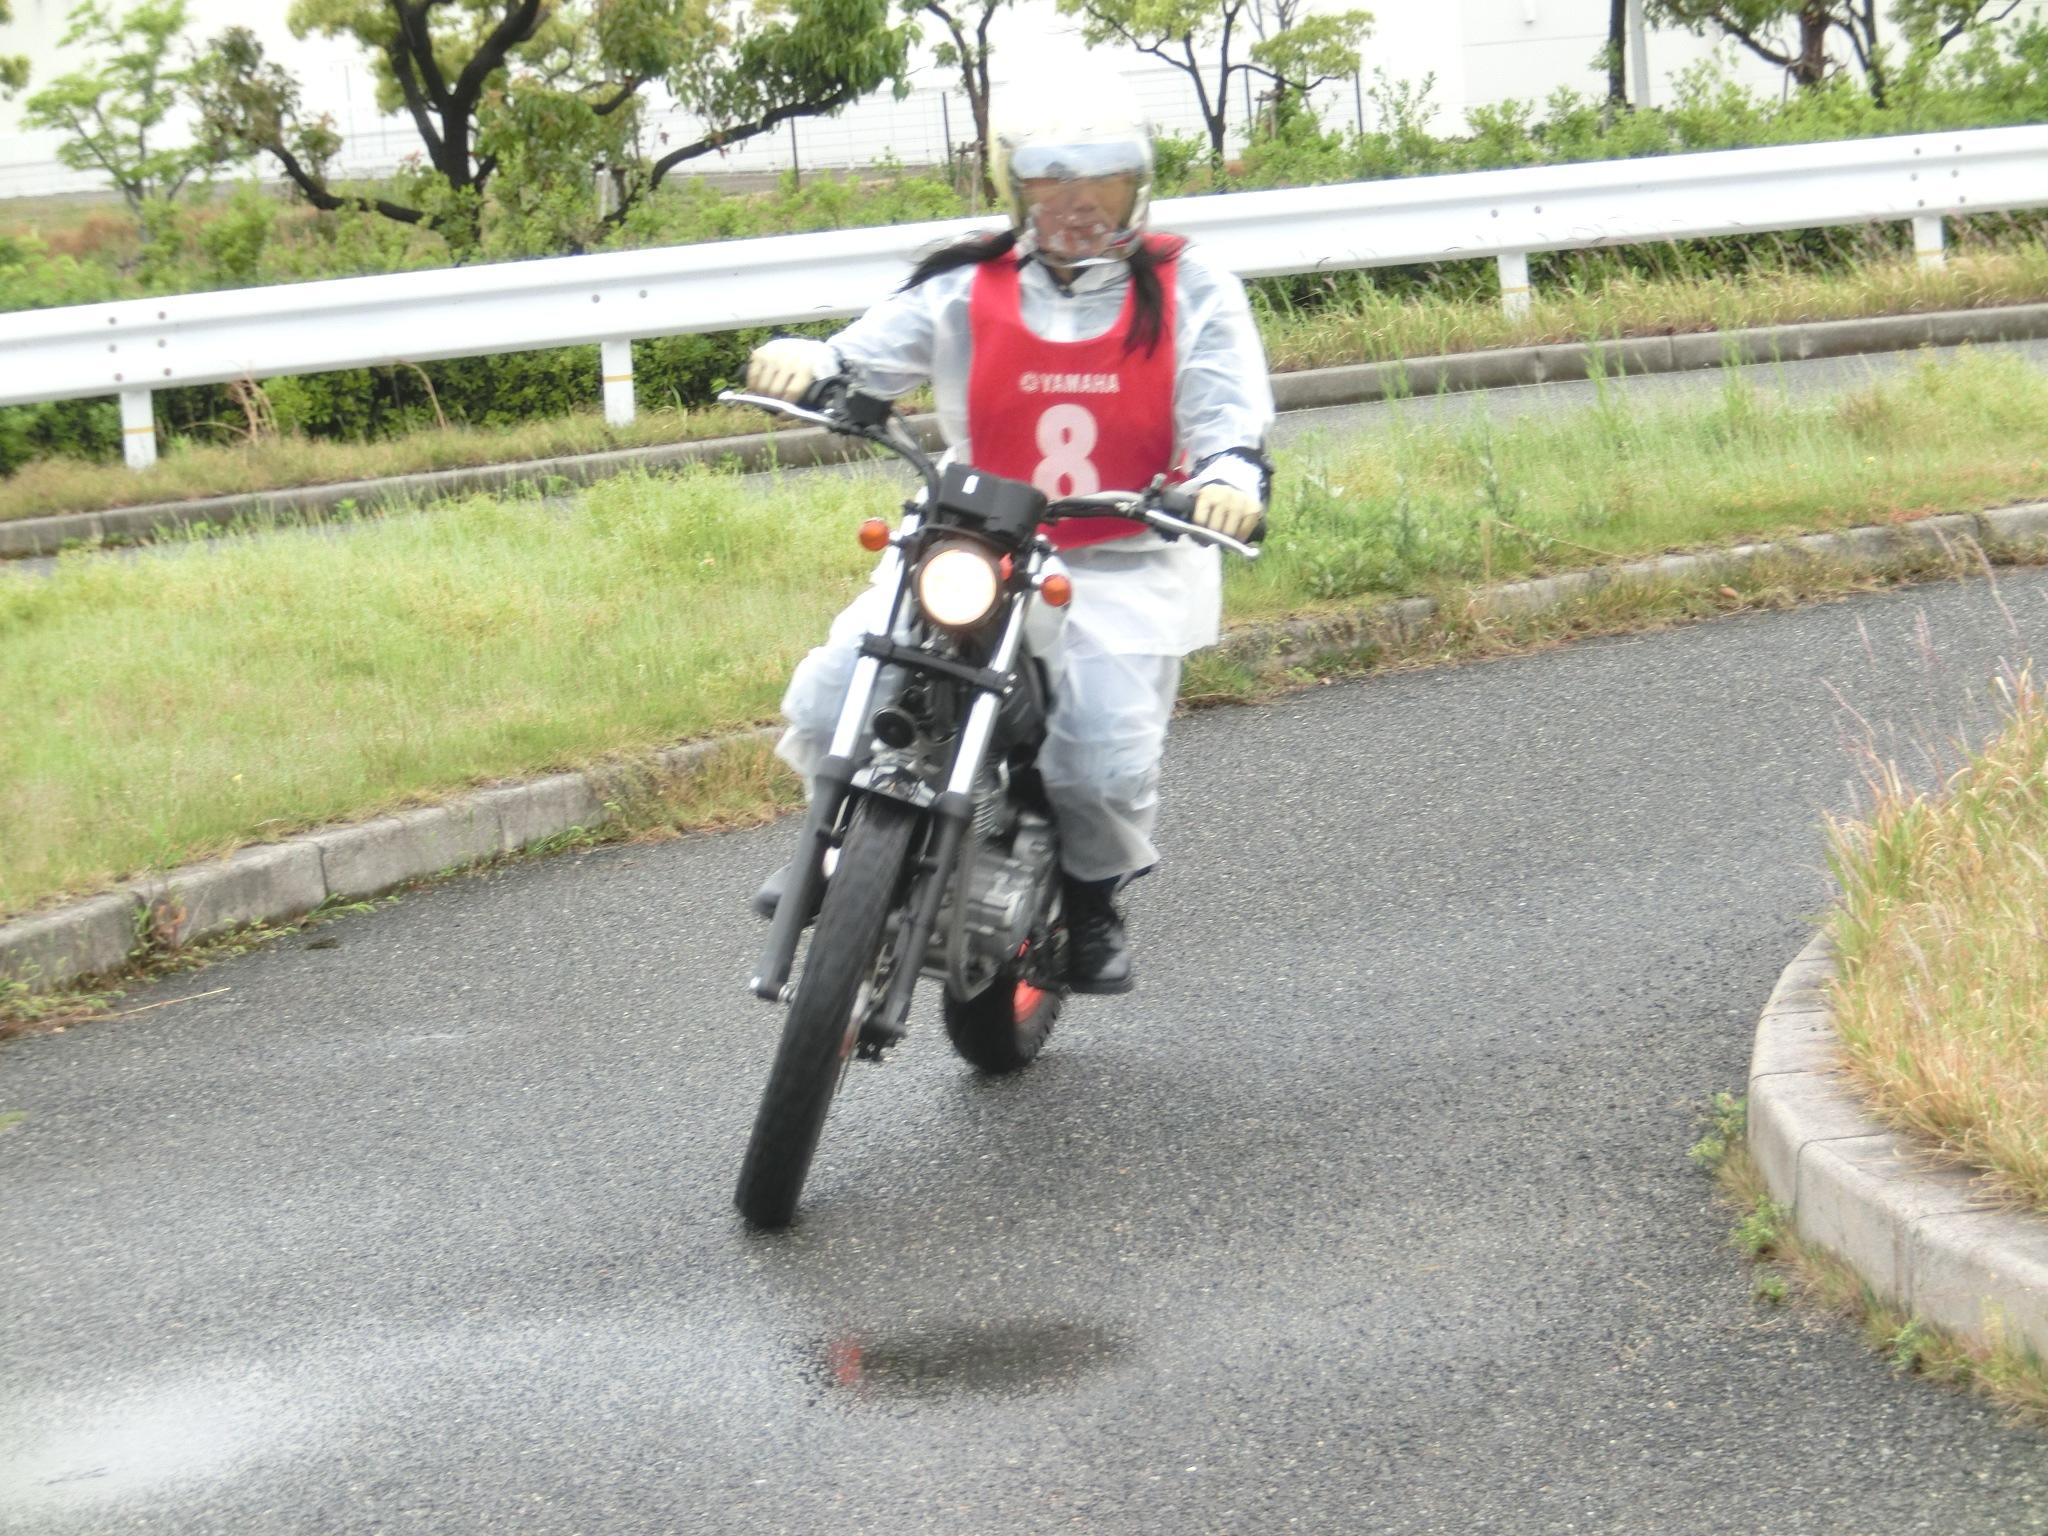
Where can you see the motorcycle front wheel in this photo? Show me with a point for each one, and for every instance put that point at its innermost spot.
(838, 984)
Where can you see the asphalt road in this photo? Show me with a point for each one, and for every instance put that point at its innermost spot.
(1369, 1211)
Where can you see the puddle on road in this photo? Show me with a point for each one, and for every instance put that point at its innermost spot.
(993, 1360)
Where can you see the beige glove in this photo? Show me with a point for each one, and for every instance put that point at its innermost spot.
(1227, 510)
(789, 365)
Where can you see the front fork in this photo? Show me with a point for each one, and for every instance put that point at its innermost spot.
(830, 787)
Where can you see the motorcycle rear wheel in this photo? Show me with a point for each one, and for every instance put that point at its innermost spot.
(1003, 1028)
(837, 985)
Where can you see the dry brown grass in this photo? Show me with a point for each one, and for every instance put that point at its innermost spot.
(1942, 995)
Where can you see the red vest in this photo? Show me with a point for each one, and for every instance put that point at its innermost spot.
(1071, 417)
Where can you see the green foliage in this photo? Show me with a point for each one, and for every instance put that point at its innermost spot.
(247, 105)
(113, 113)
(13, 67)
(517, 102)
(233, 240)
(1292, 57)
(1351, 545)
(1727, 1122)
(1796, 35)
(1761, 1232)
(32, 278)
(1316, 48)
(1910, 1345)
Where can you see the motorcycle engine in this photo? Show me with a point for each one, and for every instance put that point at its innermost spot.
(1007, 889)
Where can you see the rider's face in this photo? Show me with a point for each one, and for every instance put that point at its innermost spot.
(1076, 219)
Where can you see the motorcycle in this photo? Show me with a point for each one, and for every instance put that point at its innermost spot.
(928, 812)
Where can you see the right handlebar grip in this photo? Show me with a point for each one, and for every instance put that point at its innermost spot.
(823, 393)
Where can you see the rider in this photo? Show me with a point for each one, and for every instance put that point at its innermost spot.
(1079, 352)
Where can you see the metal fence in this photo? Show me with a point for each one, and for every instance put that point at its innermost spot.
(131, 347)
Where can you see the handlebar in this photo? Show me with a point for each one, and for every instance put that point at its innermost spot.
(832, 405)
(1166, 509)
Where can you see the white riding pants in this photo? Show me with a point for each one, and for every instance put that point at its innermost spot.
(1115, 663)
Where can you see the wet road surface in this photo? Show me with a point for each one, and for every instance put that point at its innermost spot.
(1369, 1211)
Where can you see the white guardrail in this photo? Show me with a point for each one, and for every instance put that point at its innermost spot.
(134, 346)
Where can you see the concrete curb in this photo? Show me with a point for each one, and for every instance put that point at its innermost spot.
(276, 882)
(798, 448)
(1353, 384)
(1919, 1233)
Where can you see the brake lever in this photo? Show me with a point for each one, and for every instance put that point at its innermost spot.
(781, 407)
(1171, 527)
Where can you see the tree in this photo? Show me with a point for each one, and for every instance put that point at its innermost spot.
(246, 102)
(796, 58)
(113, 111)
(1186, 33)
(1761, 27)
(966, 49)
(534, 93)
(1793, 34)
(1931, 25)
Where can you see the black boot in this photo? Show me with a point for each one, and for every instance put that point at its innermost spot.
(1098, 957)
(769, 897)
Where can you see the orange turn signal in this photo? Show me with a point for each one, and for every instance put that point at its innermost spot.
(874, 535)
(1056, 590)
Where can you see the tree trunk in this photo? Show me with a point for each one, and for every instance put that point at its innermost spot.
(1873, 61)
(1617, 53)
(1811, 66)
(977, 103)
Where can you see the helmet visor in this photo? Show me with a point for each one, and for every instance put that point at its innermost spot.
(1072, 162)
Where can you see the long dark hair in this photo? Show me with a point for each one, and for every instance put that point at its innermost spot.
(1148, 312)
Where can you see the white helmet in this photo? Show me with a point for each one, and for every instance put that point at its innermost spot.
(1074, 125)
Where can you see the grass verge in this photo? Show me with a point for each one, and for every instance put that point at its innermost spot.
(1363, 325)
(739, 783)
(237, 690)
(1941, 996)
(1790, 1269)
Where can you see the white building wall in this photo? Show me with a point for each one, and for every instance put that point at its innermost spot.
(1479, 51)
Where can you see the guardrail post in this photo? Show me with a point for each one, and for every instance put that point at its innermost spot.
(617, 366)
(138, 428)
(1929, 243)
(1514, 283)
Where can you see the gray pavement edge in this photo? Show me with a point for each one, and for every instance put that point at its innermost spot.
(281, 881)
(1352, 384)
(1920, 1233)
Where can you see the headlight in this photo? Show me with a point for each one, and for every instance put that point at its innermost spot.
(957, 586)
